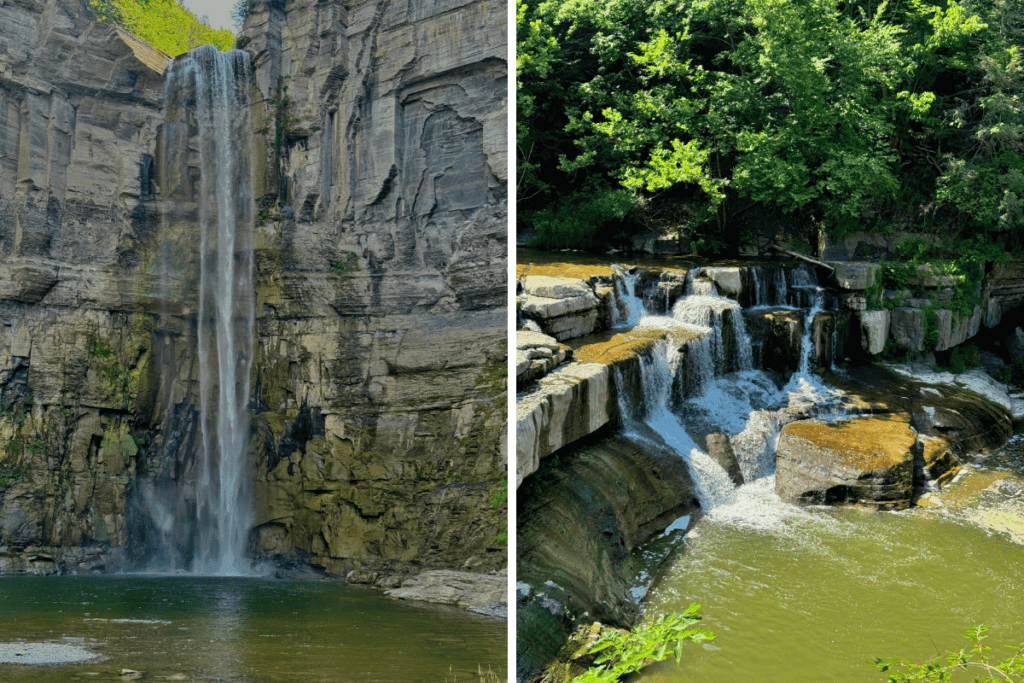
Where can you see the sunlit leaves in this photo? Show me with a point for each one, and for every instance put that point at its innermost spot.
(620, 653)
(164, 24)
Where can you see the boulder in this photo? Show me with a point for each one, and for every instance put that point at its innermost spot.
(563, 307)
(720, 450)
(934, 463)
(567, 404)
(550, 287)
(855, 275)
(537, 354)
(450, 587)
(728, 279)
(1015, 344)
(906, 328)
(955, 329)
(1005, 488)
(874, 330)
(776, 338)
(864, 461)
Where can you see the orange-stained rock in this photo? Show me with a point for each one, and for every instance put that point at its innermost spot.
(864, 461)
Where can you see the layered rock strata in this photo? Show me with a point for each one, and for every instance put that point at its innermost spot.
(578, 526)
(379, 383)
(866, 461)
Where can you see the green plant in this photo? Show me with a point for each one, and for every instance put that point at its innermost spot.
(341, 266)
(581, 219)
(973, 662)
(500, 495)
(963, 357)
(118, 379)
(166, 25)
(620, 653)
(279, 119)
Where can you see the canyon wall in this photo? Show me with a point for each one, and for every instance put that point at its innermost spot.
(378, 383)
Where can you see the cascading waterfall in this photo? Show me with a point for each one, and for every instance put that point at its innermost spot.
(201, 508)
(802, 280)
(725, 393)
(628, 308)
(769, 286)
(226, 314)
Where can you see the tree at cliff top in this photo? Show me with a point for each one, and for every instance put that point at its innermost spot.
(165, 24)
(835, 114)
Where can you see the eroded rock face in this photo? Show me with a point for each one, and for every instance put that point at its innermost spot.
(867, 461)
(578, 526)
(79, 111)
(378, 384)
(381, 347)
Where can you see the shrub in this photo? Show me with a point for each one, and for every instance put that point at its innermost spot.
(583, 220)
(973, 662)
(621, 653)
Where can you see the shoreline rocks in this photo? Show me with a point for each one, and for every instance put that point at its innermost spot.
(485, 594)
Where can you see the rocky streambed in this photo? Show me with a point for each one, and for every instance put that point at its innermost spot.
(727, 394)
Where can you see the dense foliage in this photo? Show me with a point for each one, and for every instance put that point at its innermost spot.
(165, 24)
(972, 663)
(835, 114)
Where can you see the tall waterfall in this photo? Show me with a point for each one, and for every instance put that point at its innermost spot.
(200, 507)
(226, 310)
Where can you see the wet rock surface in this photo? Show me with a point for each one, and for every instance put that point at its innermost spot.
(537, 354)
(481, 593)
(578, 524)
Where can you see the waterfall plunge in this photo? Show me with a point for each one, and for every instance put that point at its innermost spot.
(202, 519)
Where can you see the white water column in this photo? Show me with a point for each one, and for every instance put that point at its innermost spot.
(226, 306)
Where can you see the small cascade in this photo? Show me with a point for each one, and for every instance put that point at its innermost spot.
(760, 292)
(713, 485)
(807, 283)
(780, 290)
(724, 319)
(769, 286)
(628, 308)
(725, 393)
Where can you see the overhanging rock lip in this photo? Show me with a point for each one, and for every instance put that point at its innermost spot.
(150, 56)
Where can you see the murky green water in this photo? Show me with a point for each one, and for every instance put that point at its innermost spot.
(244, 631)
(831, 589)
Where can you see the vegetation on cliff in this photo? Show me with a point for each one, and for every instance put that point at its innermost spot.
(165, 24)
(719, 117)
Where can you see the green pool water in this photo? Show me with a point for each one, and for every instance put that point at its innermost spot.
(243, 630)
(823, 591)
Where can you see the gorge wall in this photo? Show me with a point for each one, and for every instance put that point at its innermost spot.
(378, 382)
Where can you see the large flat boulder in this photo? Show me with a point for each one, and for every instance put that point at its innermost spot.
(864, 461)
(563, 307)
(855, 275)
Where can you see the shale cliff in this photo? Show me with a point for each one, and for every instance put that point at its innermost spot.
(378, 382)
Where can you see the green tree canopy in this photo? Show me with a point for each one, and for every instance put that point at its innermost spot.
(848, 113)
(165, 24)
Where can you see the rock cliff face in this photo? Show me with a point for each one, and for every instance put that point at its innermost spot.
(378, 383)
(380, 265)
